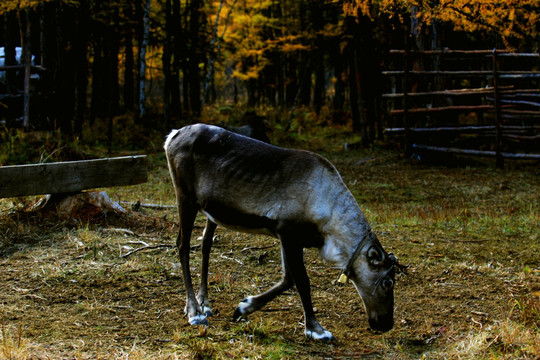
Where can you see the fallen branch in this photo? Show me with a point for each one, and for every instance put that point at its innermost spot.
(468, 241)
(256, 248)
(148, 247)
(130, 233)
(230, 258)
(138, 204)
(122, 231)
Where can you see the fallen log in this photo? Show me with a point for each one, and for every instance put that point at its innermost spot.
(71, 176)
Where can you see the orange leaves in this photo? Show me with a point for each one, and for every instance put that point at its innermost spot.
(511, 19)
(508, 18)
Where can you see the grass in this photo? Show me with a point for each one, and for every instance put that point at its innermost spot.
(469, 234)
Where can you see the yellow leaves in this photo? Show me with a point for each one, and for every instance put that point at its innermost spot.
(512, 19)
(23, 5)
(287, 48)
(288, 43)
(512, 15)
(251, 73)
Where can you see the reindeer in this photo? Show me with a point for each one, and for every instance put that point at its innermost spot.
(293, 195)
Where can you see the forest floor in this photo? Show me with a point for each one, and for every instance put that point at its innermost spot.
(469, 234)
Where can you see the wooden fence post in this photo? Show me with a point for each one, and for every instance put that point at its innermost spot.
(499, 160)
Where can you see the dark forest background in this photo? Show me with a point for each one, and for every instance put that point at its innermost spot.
(161, 63)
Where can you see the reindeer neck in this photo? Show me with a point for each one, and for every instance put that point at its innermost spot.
(344, 231)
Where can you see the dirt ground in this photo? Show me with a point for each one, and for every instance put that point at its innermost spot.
(468, 233)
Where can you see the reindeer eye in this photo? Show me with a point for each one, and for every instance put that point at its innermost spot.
(387, 284)
(374, 256)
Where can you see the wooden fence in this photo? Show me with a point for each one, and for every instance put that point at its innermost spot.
(471, 102)
(15, 104)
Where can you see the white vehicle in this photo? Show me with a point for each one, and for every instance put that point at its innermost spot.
(18, 59)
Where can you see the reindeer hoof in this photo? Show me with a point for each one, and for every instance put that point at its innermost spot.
(198, 320)
(242, 309)
(207, 311)
(325, 336)
(237, 315)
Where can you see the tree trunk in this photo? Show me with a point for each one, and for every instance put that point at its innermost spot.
(10, 53)
(353, 93)
(142, 57)
(213, 54)
(64, 79)
(177, 45)
(139, 35)
(129, 61)
(81, 52)
(27, 69)
(166, 62)
(291, 89)
(49, 61)
(360, 100)
(319, 89)
(195, 57)
(96, 100)
(339, 85)
(112, 58)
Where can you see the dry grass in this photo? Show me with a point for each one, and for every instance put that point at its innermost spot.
(470, 235)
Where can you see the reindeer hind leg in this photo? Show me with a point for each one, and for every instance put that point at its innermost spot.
(207, 239)
(187, 212)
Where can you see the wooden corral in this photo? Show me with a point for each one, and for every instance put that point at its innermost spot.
(471, 102)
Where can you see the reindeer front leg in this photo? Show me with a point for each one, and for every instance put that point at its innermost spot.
(294, 258)
(254, 303)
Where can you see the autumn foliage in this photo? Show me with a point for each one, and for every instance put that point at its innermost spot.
(513, 20)
(286, 54)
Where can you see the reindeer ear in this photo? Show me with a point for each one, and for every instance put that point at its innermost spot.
(375, 256)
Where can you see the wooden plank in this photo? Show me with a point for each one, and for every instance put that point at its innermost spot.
(500, 52)
(71, 176)
(464, 129)
(482, 73)
(459, 129)
(464, 108)
(478, 91)
(477, 152)
(459, 92)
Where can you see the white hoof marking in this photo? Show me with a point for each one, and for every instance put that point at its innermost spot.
(198, 320)
(325, 336)
(245, 304)
(207, 311)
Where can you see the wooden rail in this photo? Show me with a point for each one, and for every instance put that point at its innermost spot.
(71, 176)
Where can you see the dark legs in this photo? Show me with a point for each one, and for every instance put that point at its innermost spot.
(207, 239)
(294, 272)
(254, 303)
(294, 258)
(197, 309)
(187, 214)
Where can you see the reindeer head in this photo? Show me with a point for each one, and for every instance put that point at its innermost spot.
(373, 270)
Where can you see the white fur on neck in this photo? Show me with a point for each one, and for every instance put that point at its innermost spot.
(334, 252)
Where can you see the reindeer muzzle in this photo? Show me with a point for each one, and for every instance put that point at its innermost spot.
(382, 323)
